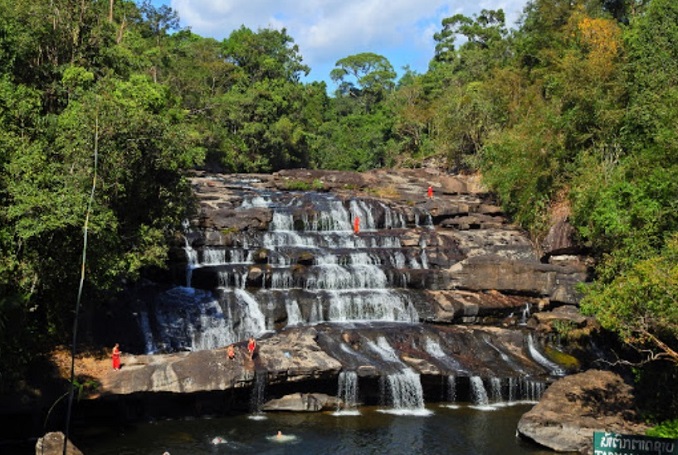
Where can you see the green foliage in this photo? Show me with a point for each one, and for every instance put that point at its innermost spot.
(521, 166)
(482, 31)
(640, 304)
(365, 78)
(666, 429)
(564, 328)
(297, 185)
(267, 54)
(303, 185)
(653, 79)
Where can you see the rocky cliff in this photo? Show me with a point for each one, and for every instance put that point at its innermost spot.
(338, 272)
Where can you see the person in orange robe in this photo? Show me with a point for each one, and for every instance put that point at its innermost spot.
(251, 347)
(116, 356)
(429, 193)
(356, 224)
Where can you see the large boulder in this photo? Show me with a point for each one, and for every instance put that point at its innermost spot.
(289, 356)
(525, 277)
(467, 306)
(576, 406)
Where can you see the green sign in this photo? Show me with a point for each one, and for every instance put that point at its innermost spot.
(623, 444)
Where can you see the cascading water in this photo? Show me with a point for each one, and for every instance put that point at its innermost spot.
(480, 397)
(525, 314)
(145, 325)
(452, 392)
(314, 266)
(531, 390)
(309, 267)
(404, 393)
(191, 261)
(433, 348)
(348, 393)
(257, 395)
(513, 364)
(401, 390)
(538, 357)
(495, 390)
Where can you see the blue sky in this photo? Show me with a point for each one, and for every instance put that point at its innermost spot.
(328, 30)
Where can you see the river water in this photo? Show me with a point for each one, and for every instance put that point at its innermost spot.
(441, 430)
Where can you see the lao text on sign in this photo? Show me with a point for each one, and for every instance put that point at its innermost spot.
(622, 444)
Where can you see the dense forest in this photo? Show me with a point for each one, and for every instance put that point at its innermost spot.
(107, 104)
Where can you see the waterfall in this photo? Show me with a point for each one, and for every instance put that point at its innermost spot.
(495, 390)
(362, 210)
(293, 313)
(316, 312)
(145, 325)
(452, 392)
(525, 314)
(213, 256)
(348, 393)
(480, 398)
(423, 258)
(257, 395)
(252, 321)
(524, 390)
(379, 305)
(385, 351)
(191, 261)
(512, 363)
(255, 201)
(181, 315)
(511, 390)
(433, 348)
(393, 219)
(531, 390)
(538, 357)
(315, 265)
(401, 390)
(213, 332)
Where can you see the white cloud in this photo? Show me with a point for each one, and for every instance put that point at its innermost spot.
(328, 30)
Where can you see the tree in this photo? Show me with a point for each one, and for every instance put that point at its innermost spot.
(640, 304)
(266, 54)
(366, 78)
(483, 47)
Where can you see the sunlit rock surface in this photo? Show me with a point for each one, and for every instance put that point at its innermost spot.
(576, 406)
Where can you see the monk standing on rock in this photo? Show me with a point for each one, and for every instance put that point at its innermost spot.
(115, 356)
(251, 347)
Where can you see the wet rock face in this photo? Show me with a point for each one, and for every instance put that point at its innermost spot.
(457, 240)
(347, 272)
(307, 357)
